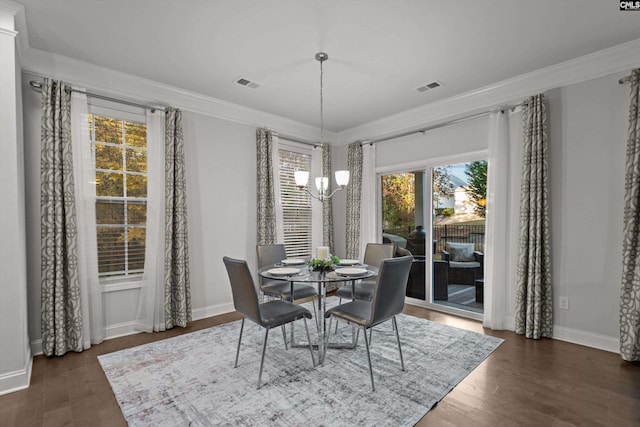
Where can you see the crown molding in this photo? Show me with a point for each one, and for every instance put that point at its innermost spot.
(616, 59)
(115, 83)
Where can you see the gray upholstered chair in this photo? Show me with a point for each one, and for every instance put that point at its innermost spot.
(374, 254)
(387, 302)
(272, 254)
(269, 315)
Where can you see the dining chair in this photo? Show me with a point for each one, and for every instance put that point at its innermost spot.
(387, 302)
(272, 254)
(268, 315)
(374, 254)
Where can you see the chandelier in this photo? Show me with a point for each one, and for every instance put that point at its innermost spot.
(322, 182)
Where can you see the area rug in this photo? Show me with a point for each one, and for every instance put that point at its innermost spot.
(190, 379)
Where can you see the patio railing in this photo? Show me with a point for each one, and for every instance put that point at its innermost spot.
(449, 233)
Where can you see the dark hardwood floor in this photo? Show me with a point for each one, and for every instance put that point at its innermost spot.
(523, 383)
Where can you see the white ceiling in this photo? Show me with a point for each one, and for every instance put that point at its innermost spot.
(379, 50)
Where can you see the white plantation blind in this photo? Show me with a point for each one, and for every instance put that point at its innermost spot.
(296, 204)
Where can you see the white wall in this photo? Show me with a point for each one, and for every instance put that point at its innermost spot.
(221, 179)
(15, 356)
(588, 133)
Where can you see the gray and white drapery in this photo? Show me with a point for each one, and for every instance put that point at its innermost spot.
(630, 293)
(354, 194)
(177, 282)
(327, 206)
(534, 309)
(61, 319)
(266, 189)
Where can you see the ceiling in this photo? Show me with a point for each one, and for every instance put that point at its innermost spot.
(379, 50)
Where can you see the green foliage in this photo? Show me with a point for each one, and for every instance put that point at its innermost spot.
(447, 212)
(323, 264)
(477, 188)
(398, 200)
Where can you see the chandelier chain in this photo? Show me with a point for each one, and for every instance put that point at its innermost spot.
(321, 104)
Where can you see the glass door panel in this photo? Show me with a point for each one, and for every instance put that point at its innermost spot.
(458, 229)
(403, 222)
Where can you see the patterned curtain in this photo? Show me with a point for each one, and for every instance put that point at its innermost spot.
(60, 294)
(327, 206)
(177, 283)
(534, 317)
(265, 185)
(354, 190)
(630, 294)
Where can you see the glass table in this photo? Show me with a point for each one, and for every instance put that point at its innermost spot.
(305, 274)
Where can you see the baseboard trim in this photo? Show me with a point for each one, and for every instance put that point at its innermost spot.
(120, 330)
(17, 380)
(588, 339)
(212, 310)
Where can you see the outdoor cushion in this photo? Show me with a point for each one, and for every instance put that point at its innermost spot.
(461, 252)
(464, 264)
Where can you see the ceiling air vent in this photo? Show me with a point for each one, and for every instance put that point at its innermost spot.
(429, 86)
(247, 83)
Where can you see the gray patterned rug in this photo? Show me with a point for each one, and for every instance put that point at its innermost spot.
(190, 380)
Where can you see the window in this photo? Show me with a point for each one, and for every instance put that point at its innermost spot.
(296, 204)
(119, 150)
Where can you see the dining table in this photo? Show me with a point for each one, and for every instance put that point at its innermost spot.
(301, 273)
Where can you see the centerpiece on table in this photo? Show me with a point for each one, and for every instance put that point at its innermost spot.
(327, 264)
(324, 260)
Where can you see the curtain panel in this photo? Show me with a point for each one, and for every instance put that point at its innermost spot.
(93, 331)
(368, 192)
(61, 319)
(151, 306)
(630, 293)
(177, 281)
(533, 314)
(354, 192)
(496, 270)
(266, 170)
(327, 206)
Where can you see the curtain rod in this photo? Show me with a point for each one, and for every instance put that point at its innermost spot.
(38, 86)
(290, 138)
(624, 80)
(443, 124)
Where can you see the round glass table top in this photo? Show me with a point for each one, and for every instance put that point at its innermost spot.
(306, 274)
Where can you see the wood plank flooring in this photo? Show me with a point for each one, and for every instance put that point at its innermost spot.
(523, 383)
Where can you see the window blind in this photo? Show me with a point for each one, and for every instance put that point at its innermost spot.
(296, 204)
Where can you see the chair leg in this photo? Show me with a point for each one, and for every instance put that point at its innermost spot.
(264, 349)
(306, 328)
(339, 303)
(373, 388)
(323, 352)
(395, 326)
(315, 312)
(284, 336)
(370, 334)
(235, 365)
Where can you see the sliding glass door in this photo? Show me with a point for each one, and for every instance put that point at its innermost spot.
(437, 215)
